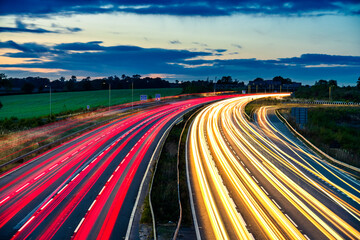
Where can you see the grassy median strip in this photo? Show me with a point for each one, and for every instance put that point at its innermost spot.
(164, 191)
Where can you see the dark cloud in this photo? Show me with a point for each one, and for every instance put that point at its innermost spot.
(22, 27)
(316, 59)
(175, 42)
(236, 45)
(180, 7)
(78, 46)
(26, 47)
(91, 58)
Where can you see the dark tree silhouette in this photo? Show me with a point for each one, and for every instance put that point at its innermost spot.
(28, 87)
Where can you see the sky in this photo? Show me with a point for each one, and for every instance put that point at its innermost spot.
(182, 39)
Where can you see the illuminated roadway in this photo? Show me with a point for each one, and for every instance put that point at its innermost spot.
(86, 188)
(255, 180)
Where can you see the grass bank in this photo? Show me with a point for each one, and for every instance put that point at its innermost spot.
(335, 130)
(35, 105)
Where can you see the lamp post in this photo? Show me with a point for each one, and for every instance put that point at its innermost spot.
(50, 96)
(109, 93)
(132, 95)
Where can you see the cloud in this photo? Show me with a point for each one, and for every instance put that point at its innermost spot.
(236, 45)
(92, 58)
(22, 27)
(182, 7)
(175, 42)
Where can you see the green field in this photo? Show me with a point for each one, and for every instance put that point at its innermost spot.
(34, 105)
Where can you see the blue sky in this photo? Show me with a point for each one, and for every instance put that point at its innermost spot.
(185, 40)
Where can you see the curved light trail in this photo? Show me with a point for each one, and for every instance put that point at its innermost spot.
(253, 181)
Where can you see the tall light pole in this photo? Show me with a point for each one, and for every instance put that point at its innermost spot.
(109, 95)
(132, 95)
(215, 85)
(50, 96)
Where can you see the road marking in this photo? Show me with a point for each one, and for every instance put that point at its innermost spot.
(5, 199)
(53, 167)
(291, 220)
(276, 204)
(39, 175)
(306, 237)
(101, 190)
(85, 167)
(110, 178)
(255, 179)
(82, 148)
(78, 226)
(62, 189)
(75, 177)
(117, 168)
(264, 190)
(92, 205)
(101, 154)
(46, 204)
(93, 160)
(107, 148)
(242, 163)
(247, 170)
(22, 187)
(26, 223)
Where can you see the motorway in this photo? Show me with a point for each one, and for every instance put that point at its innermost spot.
(86, 187)
(256, 180)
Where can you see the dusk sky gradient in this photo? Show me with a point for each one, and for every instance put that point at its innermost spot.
(185, 40)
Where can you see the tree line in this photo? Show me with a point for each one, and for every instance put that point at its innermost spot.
(329, 90)
(39, 84)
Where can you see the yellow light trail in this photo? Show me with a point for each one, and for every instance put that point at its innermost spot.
(216, 160)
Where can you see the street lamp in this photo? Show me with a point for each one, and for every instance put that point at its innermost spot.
(109, 94)
(50, 96)
(132, 95)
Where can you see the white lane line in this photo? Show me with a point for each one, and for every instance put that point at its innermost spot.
(4, 199)
(117, 168)
(247, 170)
(255, 179)
(82, 148)
(276, 204)
(242, 163)
(264, 190)
(101, 190)
(101, 154)
(53, 167)
(39, 176)
(110, 178)
(62, 189)
(26, 223)
(85, 167)
(75, 177)
(46, 204)
(22, 187)
(291, 220)
(78, 226)
(94, 160)
(107, 148)
(92, 205)
(306, 237)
